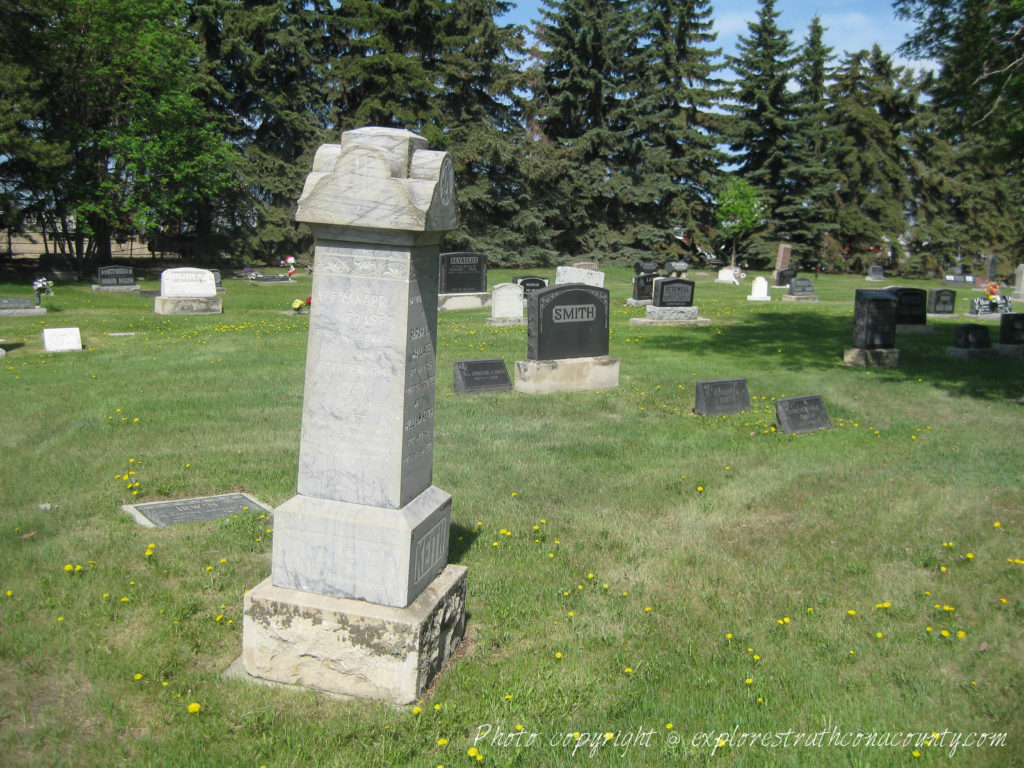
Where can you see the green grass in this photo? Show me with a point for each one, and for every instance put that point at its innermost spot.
(720, 550)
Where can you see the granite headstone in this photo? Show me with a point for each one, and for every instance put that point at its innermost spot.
(566, 321)
(473, 377)
(941, 301)
(462, 272)
(801, 414)
(720, 397)
(874, 319)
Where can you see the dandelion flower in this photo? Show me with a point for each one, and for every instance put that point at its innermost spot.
(138, 675)
(441, 742)
(558, 654)
(194, 707)
(416, 710)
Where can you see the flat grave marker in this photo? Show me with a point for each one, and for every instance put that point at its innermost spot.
(62, 339)
(157, 514)
(474, 377)
(796, 415)
(720, 397)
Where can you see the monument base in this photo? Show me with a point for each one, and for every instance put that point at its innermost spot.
(361, 552)
(351, 647)
(504, 321)
(799, 297)
(117, 288)
(574, 374)
(964, 353)
(639, 302)
(758, 298)
(670, 316)
(178, 305)
(881, 357)
(916, 328)
(448, 302)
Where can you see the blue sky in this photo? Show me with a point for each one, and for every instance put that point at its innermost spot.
(850, 25)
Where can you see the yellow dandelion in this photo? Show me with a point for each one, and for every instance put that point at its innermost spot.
(194, 707)
(441, 742)
(558, 654)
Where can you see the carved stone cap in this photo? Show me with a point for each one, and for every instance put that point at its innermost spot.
(380, 178)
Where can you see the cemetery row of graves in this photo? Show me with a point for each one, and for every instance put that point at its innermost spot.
(721, 529)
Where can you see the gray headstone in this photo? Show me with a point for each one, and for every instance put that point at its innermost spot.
(941, 301)
(719, 397)
(462, 272)
(874, 319)
(472, 377)
(801, 414)
(972, 336)
(875, 272)
(507, 301)
(673, 292)
(1011, 328)
(160, 513)
(114, 276)
(566, 321)
(911, 306)
(801, 286)
(17, 303)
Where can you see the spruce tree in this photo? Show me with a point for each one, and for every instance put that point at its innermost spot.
(763, 111)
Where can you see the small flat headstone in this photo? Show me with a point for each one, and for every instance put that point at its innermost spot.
(801, 414)
(720, 397)
(157, 514)
(17, 303)
(473, 377)
(62, 339)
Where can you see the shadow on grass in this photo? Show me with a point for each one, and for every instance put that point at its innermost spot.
(805, 340)
(460, 539)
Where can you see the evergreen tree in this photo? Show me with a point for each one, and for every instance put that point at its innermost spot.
(678, 129)
(873, 103)
(763, 112)
(582, 88)
(807, 213)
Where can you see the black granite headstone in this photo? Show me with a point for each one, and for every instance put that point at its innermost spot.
(801, 286)
(107, 276)
(161, 513)
(643, 285)
(473, 377)
(462, 272)
(673, 292)
(941, 301)
(645, 267)
(718, 397)
(784, 277)
(1011, 328)
(911, 306)
(530, 283)
(801, 414)
(972, 336)
(874, 319)
(982, 306)
(565, 321)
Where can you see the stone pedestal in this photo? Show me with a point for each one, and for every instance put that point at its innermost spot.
(810, 298)
(367, 533)
(351, 647)
(880, 357)
(448, 302)
(174, 305)
(574, 374)
(670, 316)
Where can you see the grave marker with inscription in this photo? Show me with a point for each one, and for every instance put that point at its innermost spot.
(941, 301)
(911, 309)
(157, 514)
(720, 397)
(473, 377)
(875, 273)
(187, 291)
(784, 277)
(62, 339)
(531, 283)
(462, 281)
(759, 290)
(796, 415)
(115, 279)
(19, 307)
(874, 329)
(507, 305)
(567, 275)
(782, 257)
(800, 289)
(347, 608)
(672, 304)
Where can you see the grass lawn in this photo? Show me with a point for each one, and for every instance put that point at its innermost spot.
(645, 586)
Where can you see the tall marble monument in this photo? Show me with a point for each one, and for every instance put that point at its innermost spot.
(361, 600)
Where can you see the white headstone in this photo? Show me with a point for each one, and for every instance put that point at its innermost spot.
(186, 282)
(728, 275)
(507, 301)
(590, 277)
(62, 339)
(759, 290)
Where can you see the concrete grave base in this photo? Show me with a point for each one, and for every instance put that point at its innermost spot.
(503, 321)
(908, 329)
(670, 316)
(879, 357)
(117, 288)
(361, 552)
(639, 302)
(806, 297)
(1004, 351)
(180, 305)
(25, 312)
(574, 374)
(448, 302)
(351, 647)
